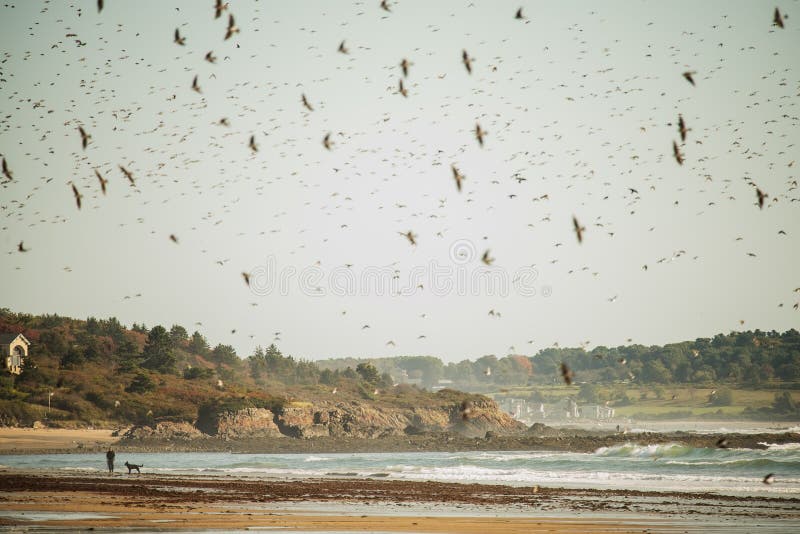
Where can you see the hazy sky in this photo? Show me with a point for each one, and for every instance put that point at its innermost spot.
(581, 99)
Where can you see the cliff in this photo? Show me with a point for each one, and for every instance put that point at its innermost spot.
(345, 419)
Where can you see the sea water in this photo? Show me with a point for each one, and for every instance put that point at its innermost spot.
(665, 467)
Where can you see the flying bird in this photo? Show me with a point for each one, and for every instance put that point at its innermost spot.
(219, 7)
(519, 15)
(777, 19)
(689, 76)
(343, 49)
(402, 90)
(103, 181)
(677, 153)
(99, 6)
(232, 28)
(128, 174)
(210, 57)
(304, 100)
(21, 247)
(567, 374)
(479, 133)
(578, 229)
(761, 196)
(6, 171)
(84, 137)
(173, 238)
(404, 66)
(722, 443)
(385, 6)
(467, 61)
(77, 194)
(178, 39)
(769, 479)
(412, 238)
(252, 144)
(326, 141)
(458, 177)
(246, 277)
(196, 86)
(488, 260)
(682, 127)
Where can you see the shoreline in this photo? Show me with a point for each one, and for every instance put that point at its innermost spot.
(60, 441)
(191, 502)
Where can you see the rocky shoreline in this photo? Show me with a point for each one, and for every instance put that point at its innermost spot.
(541, 438)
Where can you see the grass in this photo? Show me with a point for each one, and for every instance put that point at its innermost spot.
(658, 401)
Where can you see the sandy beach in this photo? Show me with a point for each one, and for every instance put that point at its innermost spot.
(175, 503)
(42, 439)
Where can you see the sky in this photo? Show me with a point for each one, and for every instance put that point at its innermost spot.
(580, 104)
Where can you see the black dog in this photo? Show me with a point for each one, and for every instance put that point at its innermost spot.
(131, 467)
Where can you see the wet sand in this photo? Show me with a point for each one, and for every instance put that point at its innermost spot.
(45, 439)
(122, 502)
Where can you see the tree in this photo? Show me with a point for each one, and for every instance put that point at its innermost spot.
(224, 354)
(158, 354)
(178, 335)
(198, 344)
(141, 383)
(368, 373)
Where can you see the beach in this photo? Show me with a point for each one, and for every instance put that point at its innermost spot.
(39, 439)
(55, 479)
(175, 503)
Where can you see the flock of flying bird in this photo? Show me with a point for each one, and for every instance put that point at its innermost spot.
(459, 179)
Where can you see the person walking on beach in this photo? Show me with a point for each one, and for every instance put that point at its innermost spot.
(110, 460)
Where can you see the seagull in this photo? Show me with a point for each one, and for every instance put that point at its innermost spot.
(304, 100)
(677, 152)
(84, 137)
(777, 19)
(722, 443)
(6, 171)
(566, 374)
(232, 28)
(486, 258)
(479, 133)
(343, 49)
(519, 15)
(402, 90)
(385, 6)
(21, 248)
(689, 76)
(404, 65)
(210, 57)
(99, 6)
(195, 86)
(326, 141)
(103, 181)
(761, 196)
(178, 39)
(77, 194)
(769, 479)
(682, 127)
(467, 61)
(578, 229)
(412, 238)
(252, 144)
(173, 238)
(457, 176)
(246, 277)
(128, 174)
(219, 7)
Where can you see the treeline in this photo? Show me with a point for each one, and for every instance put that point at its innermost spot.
(749, 358)
(97, 370)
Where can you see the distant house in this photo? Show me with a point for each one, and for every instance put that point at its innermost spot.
(14, 350)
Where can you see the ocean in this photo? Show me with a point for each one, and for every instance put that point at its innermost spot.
(666, 467)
